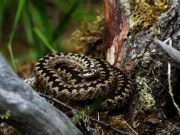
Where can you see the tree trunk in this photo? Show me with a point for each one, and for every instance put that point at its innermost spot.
(135, 49)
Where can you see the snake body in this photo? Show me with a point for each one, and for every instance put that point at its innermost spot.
(82, 78)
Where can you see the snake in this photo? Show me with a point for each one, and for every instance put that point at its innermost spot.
(77, 77)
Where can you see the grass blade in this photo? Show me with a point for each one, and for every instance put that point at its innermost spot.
(63, 22)
(28, 23)
(44, 39)
(41, 7)
(17, 17)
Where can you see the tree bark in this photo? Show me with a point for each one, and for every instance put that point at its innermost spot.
(29, 112)
(123, 47)
(143, 58)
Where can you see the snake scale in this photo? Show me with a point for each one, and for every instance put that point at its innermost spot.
(82, 78)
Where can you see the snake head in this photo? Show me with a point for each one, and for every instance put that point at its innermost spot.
(90, 73)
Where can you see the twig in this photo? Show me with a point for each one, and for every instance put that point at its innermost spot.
(129, 126)
(169, 81)
(106, 125)
(172, 52)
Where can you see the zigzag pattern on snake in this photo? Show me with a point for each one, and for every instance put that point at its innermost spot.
(81, 78)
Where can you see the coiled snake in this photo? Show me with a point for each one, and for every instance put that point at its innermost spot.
(81, 78)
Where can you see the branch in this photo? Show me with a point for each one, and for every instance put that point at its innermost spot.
(174, 55)
(75, 111)
(29, 112)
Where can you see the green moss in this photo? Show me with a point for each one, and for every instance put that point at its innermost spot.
(6, 115)
(145, 13)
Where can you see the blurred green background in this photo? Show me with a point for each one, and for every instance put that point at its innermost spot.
(29, 29)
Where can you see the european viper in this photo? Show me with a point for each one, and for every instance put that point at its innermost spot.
(81, 78)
